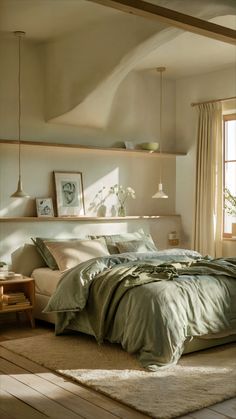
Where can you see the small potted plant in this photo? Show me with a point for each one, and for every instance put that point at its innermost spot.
(230, 208)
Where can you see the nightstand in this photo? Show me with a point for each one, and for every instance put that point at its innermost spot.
(18, 295)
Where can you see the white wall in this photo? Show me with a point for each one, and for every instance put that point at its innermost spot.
(98, 169)
(195, 89)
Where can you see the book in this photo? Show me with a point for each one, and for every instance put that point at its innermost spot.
(17, 305)
(14, 297)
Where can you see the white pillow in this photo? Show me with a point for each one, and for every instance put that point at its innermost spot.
(70, 253)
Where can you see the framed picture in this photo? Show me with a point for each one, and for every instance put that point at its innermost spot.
(44, 207)
(69, 193)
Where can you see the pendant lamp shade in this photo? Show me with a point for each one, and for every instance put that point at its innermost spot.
(160, 193)
(19, 193)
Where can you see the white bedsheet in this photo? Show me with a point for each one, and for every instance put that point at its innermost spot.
(46, 280)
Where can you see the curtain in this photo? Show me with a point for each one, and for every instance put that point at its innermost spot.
(208, 223)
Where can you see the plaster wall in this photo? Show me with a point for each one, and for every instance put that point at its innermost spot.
(38, 163)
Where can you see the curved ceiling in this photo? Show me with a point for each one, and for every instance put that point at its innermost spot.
(206, 54)
(155, 45)
(44, 20)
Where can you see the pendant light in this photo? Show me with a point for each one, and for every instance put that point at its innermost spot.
(160, 193)
(19, 192)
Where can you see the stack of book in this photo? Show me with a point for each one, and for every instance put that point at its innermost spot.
(15, 299)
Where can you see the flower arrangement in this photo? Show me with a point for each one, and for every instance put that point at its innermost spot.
(230, 202)
(122, 195)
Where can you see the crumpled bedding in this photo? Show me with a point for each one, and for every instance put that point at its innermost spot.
(150, 303)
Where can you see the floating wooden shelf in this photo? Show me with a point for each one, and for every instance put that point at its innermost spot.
(84, 148)
(86, 218)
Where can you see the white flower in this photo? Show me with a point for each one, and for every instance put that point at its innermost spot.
(122, 193)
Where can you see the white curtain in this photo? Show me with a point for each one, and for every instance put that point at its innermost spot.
(208, 225)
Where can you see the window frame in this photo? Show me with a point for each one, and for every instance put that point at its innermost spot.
(226, 118)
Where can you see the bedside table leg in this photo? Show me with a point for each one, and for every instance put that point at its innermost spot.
(1, 297)
(29, 314)
(18, 317)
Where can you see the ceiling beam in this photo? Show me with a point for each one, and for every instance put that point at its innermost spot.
(171, 17)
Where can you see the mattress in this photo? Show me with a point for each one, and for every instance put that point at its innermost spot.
(46, 280)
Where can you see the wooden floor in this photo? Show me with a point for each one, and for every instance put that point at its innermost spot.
(29, 391)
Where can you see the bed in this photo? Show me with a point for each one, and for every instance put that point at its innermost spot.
(156, 304)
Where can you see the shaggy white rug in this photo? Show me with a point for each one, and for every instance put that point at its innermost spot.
(199, 379)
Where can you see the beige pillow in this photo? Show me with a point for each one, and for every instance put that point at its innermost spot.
(70, 253)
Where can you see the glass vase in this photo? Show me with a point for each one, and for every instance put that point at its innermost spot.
(121, 211)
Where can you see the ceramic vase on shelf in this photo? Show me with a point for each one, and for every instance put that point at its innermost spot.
(121, 211)
(102, 210)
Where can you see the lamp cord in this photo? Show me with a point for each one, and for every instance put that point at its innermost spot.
(160, 124)
(19, 106)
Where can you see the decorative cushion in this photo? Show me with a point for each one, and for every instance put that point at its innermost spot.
(140, 246)
(112, 239)
(44, 251)
(70, 253)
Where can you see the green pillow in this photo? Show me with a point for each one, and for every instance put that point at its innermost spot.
(112, 239)
(140, 246)
(44, 252)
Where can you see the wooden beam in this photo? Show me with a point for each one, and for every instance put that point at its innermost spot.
(226, 99)
(173, 18)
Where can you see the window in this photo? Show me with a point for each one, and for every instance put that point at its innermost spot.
(229, 167)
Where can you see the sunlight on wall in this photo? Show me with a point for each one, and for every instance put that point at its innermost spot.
(99, 190)
(15, 203)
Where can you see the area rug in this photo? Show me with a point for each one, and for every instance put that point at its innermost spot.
(199, 380)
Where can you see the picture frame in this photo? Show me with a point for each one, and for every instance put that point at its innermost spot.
(69, 194)
(44, 207)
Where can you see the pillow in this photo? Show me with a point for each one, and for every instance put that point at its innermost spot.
(111, 240)
(45, 253)
(140, 246)
(69, 253)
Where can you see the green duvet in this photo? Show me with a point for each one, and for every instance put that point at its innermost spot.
(150, 303)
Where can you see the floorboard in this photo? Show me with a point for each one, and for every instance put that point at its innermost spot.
(31, 391)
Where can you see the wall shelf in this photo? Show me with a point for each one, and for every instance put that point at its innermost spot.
(86, 218)
(84, 148)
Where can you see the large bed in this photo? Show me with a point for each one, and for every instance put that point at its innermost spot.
(156, 304)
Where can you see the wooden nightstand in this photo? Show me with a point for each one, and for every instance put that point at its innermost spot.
(18, 295)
